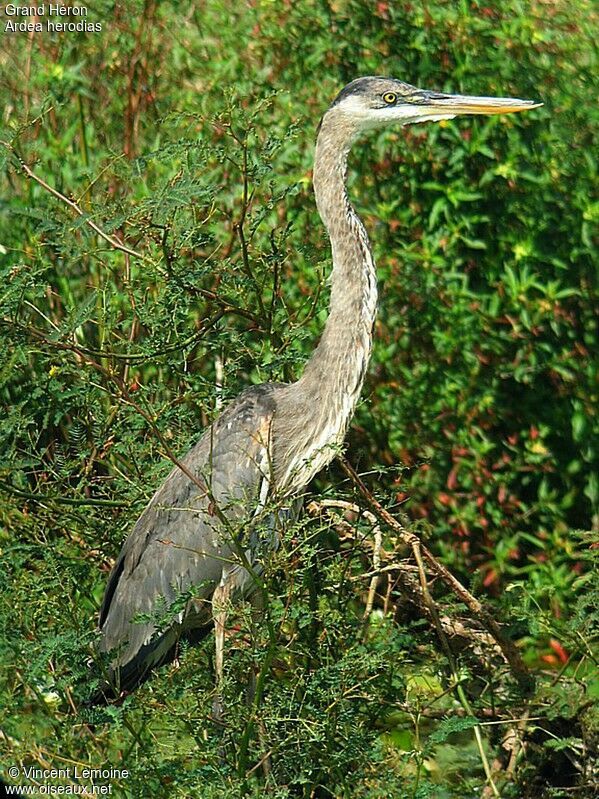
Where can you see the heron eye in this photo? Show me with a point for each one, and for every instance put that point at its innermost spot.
(390, 98)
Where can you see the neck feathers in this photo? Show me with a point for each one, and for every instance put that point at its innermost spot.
(333, 377)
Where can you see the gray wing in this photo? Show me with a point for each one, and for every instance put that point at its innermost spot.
(183, 539)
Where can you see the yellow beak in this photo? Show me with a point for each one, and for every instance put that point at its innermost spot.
(434, 102)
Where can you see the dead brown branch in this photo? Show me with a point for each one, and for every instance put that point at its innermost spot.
(404, 573)
(509, 650)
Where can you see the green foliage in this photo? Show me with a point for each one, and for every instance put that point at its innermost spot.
(184, 131)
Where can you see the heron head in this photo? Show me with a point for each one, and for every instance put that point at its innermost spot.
(369, 103)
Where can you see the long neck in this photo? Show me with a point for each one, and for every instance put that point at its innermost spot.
(334, 374)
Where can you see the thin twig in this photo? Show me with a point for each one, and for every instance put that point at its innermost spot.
(71, 204)
(126, 398)
(376, 547)
(100, 503)
(513, 744)
(207, 324)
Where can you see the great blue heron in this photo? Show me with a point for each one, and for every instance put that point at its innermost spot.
(203, 535)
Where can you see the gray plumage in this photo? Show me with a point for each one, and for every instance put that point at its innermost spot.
(267, 444)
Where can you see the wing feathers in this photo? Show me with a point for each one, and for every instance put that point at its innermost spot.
(183, 538)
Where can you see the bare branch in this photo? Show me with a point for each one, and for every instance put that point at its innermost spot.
(510, 652)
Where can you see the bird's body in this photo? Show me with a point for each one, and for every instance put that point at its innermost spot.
(201, 538)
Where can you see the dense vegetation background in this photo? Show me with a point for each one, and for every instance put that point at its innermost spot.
(185, 131)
